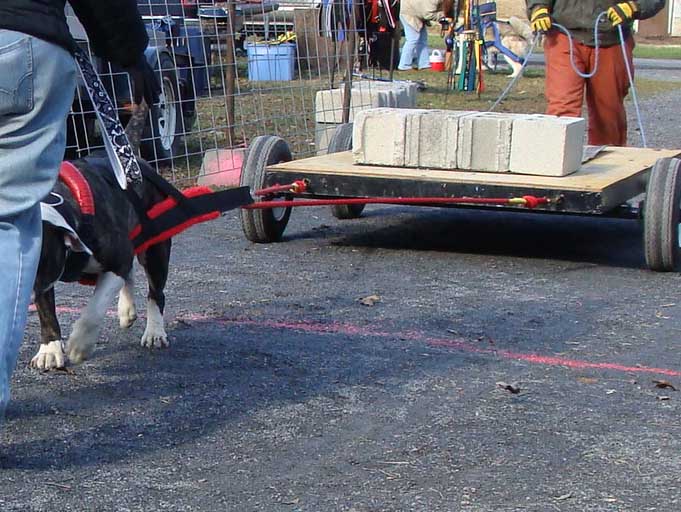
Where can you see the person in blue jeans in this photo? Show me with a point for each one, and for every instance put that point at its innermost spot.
(37, 85)
(416, 16)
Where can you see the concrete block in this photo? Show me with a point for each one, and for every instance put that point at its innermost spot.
(561, 149)
(484, 141)
(379, 136)
(322, 136)
(432, 138)
(365, 95)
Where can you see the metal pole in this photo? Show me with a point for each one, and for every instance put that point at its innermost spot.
(230, 75)
(350, 58)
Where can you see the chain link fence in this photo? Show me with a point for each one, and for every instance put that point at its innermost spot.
(231, 71)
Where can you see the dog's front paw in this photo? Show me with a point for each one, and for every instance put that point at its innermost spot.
(155, 337)
(78, 351)
(50, 355)
(127, 314)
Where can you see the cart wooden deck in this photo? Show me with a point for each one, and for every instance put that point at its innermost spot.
(614, 176)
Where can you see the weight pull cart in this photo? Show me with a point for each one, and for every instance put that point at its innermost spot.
(616, 182)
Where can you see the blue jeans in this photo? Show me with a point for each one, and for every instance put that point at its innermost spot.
(415, 47)
(37, 83)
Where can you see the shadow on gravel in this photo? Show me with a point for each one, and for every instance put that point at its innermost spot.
(130, 404)
(610, 242)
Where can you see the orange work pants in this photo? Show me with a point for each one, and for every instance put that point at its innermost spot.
(605, 91)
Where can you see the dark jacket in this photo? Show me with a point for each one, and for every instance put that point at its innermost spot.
(114, 27)
(579, 17)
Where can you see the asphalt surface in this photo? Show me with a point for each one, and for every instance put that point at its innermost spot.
(283, 392)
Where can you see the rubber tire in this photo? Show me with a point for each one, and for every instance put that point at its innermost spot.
(152, 147)
(661, 215)
(341, 140)
(263, 226)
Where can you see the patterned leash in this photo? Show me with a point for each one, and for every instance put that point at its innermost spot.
(118, 148)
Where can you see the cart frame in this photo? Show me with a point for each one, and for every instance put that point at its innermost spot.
(634, 183)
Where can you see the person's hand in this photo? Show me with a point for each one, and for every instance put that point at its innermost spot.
(145, 84)
(623, 12)
(540, 21)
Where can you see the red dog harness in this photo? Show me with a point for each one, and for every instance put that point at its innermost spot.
(78, 186)
(179, 211)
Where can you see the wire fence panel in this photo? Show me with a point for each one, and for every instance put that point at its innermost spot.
(231, 71)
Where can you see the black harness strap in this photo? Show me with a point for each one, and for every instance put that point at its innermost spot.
(189, 211)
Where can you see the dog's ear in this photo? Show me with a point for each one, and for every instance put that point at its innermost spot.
(135, 126)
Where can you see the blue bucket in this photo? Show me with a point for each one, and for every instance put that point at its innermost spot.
(270, 62)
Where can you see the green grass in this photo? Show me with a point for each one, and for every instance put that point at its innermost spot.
(287, 109)
(526, 96)
(651, 51)
(641, 51)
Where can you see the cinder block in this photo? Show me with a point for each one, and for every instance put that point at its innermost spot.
(562, 145)
(484, 141)
(322, 136)
(379, 136)
(432, 139)
(365, 95)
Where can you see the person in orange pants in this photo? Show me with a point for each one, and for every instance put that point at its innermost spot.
(606, 90)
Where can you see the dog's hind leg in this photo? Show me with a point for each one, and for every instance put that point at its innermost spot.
(51, 352)
(82, 340)
(516, 67)
(127, 312)
(155, 261)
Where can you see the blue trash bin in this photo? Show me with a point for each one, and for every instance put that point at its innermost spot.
(270, 62)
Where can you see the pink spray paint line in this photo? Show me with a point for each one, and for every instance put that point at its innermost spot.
(461, 345)
(415, 336)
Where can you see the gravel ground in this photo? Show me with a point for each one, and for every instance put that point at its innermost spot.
(660, 113)
(282, 392)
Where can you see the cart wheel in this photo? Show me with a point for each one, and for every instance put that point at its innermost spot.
(341, 140)
(662, 210)
(263, 226)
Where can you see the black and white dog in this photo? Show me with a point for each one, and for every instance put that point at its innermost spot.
(106, 256)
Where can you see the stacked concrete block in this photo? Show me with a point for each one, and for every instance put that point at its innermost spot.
(379, 136)
(547, 145)
(484, 142)
(329, 103)
(365, 95)
(431, 139)
(476, 141)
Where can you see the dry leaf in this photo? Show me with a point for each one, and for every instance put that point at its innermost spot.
(563, 497)
(369, 300)
(511, 388)
(293, 501)
(663, 384)
(587, 380)
(610, 391)
(662, 397)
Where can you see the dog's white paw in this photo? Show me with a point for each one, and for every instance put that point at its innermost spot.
(155, 334)
(155, 337)
(127, 314)
(50, 355)
(80, 346)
